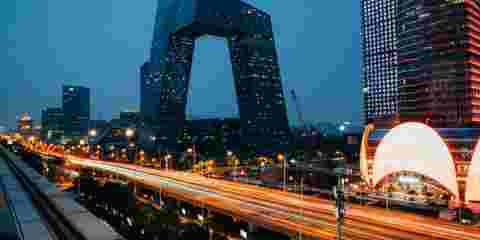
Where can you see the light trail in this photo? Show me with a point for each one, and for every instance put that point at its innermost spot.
(284, 210)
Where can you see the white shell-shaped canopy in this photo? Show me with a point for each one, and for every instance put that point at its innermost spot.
(415, 147)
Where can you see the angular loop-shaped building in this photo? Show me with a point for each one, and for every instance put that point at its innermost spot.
(165, 78)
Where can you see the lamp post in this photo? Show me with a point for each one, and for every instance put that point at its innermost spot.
(230, 156)
(339, 194)
(91, 134)
(194, 155)
(129, 133)
(281, 158)
(167, 158)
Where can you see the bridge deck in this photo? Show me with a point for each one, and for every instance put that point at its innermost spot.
(54, 213)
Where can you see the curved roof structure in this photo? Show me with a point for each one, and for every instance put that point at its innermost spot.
(473, 182)
(363, 150)
(415, 147)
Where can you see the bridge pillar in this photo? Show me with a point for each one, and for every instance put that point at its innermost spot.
(252, 228)
(157, 197)
(133, 187)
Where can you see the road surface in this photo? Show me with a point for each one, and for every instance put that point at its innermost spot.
(283, 211)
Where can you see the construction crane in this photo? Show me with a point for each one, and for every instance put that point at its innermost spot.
(300, 119)
(303, 125)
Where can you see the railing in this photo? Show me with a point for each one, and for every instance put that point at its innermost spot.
(65, 217)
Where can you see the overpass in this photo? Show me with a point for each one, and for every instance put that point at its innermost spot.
(31, 208)
(280, 211)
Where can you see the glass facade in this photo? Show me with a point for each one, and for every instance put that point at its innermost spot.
(76, 109)
(52, 125)
(165, 78)
(438, 61)
(380, 81)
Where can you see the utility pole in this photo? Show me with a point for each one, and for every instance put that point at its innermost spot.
(340, 201)
(300, 237)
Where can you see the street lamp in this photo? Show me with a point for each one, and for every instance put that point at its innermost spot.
(92, 133)
(167, 158)
(235, 163)
(281, 158)
(194, 155)
(191, 151)
(129, 132)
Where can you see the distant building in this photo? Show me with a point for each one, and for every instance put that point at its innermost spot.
(52, 125)
(213, 136)
(232, 131)
(24, 124)
(76, 108)
(352, 145)
(165, 78)
(129, 118)
(149, 96)
(98, 124)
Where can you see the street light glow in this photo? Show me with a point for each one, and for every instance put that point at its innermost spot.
(129, 132)
(93, 133)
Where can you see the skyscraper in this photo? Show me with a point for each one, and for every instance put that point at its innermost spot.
(379, 47)
(165, 78)
(52, 125)
(438, 61)
(76, 109)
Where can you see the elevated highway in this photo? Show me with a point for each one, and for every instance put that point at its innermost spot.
(282, 211)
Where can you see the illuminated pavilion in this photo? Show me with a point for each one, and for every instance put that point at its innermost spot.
(448, 156)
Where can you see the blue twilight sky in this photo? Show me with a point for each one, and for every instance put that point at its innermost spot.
(101, 44)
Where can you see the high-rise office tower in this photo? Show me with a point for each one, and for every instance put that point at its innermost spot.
(76, 109)
(165, 78)
(379, 63)
(438, 53)
(52, 125)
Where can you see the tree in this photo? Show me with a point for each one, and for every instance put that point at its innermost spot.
(164, 218)
(222, 223)
(89, 187)
(51, 171)
(193, 231)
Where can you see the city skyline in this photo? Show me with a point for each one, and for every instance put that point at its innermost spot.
(115, 84)
(241, 119)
